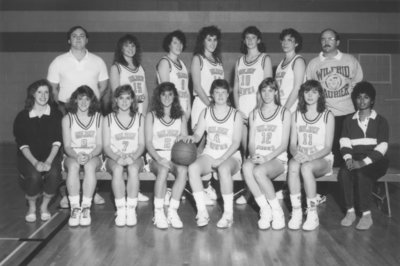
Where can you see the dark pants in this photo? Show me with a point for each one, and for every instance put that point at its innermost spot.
(34, 182)
(359, 183)
(337, 156)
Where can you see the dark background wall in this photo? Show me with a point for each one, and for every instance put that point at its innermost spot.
(32, 33)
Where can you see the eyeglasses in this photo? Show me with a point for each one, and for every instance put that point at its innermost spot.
(331, 39)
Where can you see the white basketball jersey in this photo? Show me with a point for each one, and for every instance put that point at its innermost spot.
(219, 132)
(209, 72)
(136, 78)
(164, 135)
(268, 132)
(250, 75)
(124, 139)
(83, 137)
(178, 75)
(284, 76)
(311, 133)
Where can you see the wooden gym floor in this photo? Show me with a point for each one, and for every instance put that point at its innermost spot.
(54, 243)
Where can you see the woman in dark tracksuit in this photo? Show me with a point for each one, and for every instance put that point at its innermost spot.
(37, 131)
(363, 145)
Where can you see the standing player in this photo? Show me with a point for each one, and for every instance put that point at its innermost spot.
(290, 71)
(172, 69)
(250, 70)
(311, 139)
(81, 129)
(268, 142)
(73, 69)
(223, 125)
(338, 73)
(206, 67)
(127, 69)
(164, 124)
(123, 141)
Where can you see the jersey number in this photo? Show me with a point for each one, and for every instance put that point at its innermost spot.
(245, 80)
(266, 138)
(83, 143)
(307, 139)
(125, 145)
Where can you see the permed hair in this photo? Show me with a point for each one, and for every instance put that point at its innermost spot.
(202, 35)
(157, 106)
(294, 34)
(125, 89)
(364, 87)
(168, 39)
(119, 56)
(84, 90)
(31, 90)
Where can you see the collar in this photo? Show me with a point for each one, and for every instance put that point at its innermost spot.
(372, 115)
(86, 54)
(33, 113)
(337, 57)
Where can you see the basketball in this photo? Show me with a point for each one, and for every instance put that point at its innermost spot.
(183, 153)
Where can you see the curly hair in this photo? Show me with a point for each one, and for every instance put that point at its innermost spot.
(168, 39)
(306, 87)
(294, 34)
(219, 84)
(158, 107)
(119, 56)
(255, 31)
(84, 90)
(366, 88)
(270, 82)
(199, 48)
(125, 89)
(31, 90)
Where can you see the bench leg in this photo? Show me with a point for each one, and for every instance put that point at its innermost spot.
(388, 199)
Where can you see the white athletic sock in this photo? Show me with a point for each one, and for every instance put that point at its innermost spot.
(158, 203)
(74, 201)
(295, 199)
(174, 204)
(86, 202)
(199, 198)
(228, 202)
(262, 202)
(119, 203)
(131, 202)
(351, 210)
(312, 203)
(275, 204)
(366, 213)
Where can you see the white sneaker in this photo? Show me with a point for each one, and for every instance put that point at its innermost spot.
(226, 221)
(131, 219)
(98, 200)
(173, 219)
(265, 219)
(202, 218)
(160, 221)
(167, 196)
(296, 220)
(312, 220)
(241, 200)
(210, 192)
(120, 220)
(64, 204)
(278, 219)
(208, 201)
(85, 219)
(74, 217)
(142, 197)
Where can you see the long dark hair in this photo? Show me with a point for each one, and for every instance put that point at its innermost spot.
(118, 55)
(72, 105)
(202, 35)
(307, 86)
(158, 107)
(255, 31)
(125, 89)
(31, 90)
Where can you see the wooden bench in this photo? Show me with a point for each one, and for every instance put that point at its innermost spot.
(392, 175)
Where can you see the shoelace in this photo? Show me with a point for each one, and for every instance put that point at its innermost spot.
(75, 212)
(85, 212)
